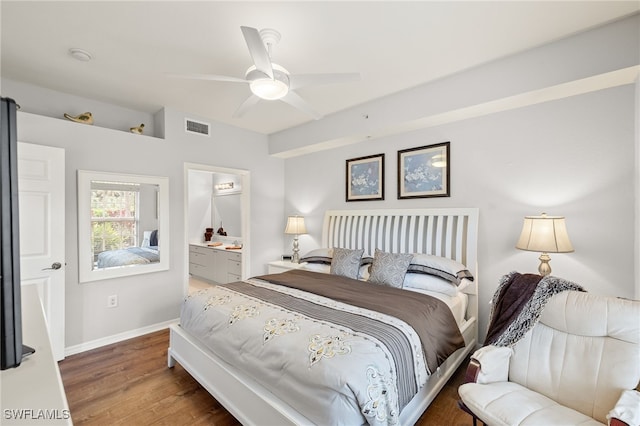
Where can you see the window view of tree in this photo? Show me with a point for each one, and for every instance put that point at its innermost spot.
(114, 216)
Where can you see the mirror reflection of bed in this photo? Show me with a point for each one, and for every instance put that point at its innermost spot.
(123, 224)
(124, 221)
(147, 253)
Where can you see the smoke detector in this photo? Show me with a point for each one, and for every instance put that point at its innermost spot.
(80, 54)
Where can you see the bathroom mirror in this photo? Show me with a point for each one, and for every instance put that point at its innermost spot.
(123, 225)
(225, 203)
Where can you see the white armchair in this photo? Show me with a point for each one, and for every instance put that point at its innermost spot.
(578, 365)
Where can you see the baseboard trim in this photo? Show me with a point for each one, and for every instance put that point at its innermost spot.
(87, 346)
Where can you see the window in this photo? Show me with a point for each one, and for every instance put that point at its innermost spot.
(114, 215)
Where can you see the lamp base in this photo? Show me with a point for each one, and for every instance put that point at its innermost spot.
(295, 257)
(544, 269)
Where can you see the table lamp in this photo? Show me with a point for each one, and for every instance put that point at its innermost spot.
(295, 226)
(545, 234)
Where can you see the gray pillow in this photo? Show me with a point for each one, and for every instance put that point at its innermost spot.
(346, 262)
(389, 268)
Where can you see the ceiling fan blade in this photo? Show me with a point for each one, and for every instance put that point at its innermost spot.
(212, 77)
(258, 50)
(248, 103)
(303, 80)
(293, 99)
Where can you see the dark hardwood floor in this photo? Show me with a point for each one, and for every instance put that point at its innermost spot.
(128, 383)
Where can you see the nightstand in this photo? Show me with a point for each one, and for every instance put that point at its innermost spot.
(278, 266)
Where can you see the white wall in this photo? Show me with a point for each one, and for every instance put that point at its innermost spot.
(145, 300)
(199, 200)
(573, 156)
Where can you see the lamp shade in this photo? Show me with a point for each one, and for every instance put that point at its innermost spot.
(295, 225)
(546, 234)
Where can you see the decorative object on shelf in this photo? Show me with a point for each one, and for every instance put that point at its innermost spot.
(221, 231)
(208, 234)
(546, 234)
(84, 118)
(365, 178)
(137, 130)
(295, 226)
(423, 172)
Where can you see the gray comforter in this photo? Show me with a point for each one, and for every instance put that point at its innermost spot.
(340, 351)
(127, 256)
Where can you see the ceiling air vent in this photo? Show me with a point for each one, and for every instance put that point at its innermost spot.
(197, 127)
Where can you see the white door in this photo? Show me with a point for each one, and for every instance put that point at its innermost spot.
(42, 248)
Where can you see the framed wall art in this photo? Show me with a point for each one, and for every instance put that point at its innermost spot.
(424, 171)
(365, 178)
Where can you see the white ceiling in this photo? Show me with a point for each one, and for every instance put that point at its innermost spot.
(394, 45)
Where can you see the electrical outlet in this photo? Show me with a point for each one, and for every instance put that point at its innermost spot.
(112, 301)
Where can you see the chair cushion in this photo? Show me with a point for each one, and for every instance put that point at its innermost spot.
(510, 404)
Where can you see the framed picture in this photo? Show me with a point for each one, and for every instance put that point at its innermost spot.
(365, 178)
(424, 171)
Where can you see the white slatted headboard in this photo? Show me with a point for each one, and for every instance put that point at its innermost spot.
(451, 233)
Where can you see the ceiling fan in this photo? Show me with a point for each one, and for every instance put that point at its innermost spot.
(270, 81)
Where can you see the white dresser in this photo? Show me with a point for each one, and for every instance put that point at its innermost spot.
(215, 263)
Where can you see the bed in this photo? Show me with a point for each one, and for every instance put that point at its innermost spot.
(281, 380)
(145, 254)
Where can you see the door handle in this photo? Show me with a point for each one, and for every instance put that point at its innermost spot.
(54, 266)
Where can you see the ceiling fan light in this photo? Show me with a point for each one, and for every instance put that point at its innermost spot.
(266, 88)
(269, 89)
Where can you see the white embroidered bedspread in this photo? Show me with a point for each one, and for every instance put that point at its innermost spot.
(333, 373)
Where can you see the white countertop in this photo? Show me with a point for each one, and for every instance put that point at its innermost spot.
(221, 247)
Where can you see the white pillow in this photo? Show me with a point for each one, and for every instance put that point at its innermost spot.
(430, 283)
(326, 269)
(442, 267)
(317, 267)
(146, 239)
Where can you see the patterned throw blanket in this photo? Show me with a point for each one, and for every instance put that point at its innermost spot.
(517, 304)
